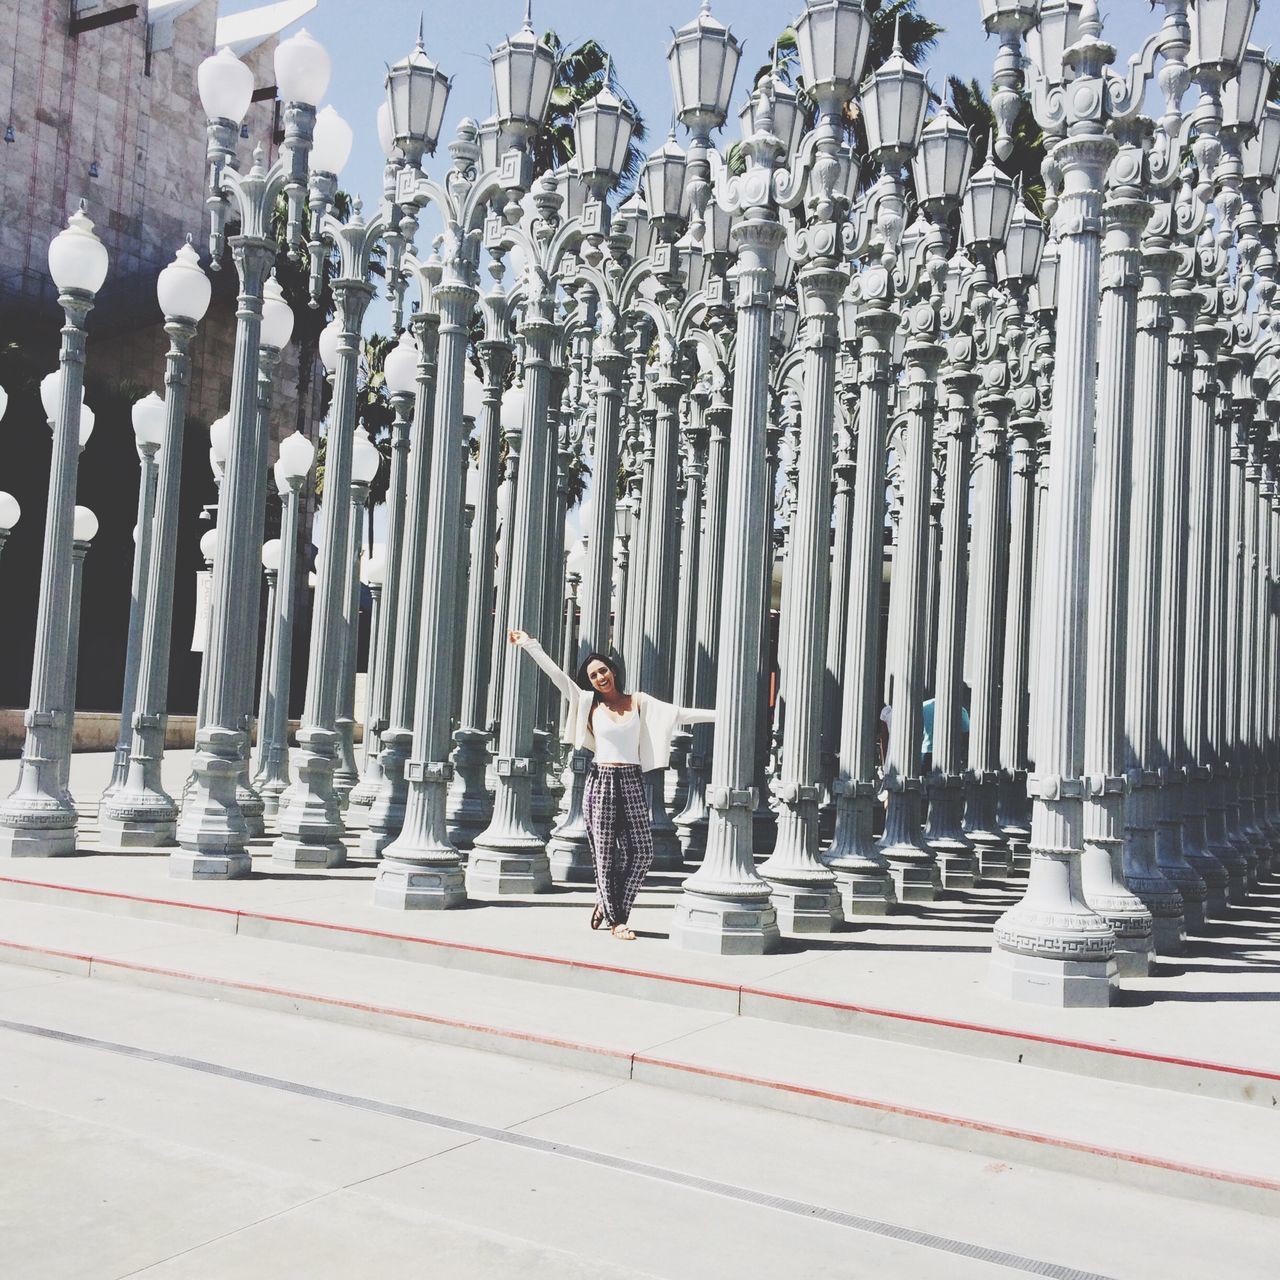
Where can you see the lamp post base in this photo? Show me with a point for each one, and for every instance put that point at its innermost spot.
(746, 926)
(291, 852)
(992, 854)
(957, 864)
(1053, 983)
(493, 873)
(187, 865)
(569, 854)
(37, 842)
(414, 887)
(806, 908)
(916, 881)
(136, 833)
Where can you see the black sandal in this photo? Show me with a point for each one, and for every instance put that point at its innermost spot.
(597, 917)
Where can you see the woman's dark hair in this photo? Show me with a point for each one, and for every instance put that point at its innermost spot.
(584, 681)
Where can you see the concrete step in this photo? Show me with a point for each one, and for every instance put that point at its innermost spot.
(1201, 1076)
(1205, 1149)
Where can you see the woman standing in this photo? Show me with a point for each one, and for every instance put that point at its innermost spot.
(630, 734)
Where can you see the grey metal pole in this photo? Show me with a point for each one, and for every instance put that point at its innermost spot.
(570, 850)
(79, 550)
(347, 773)
(866, 886)
(38, 818)
(725, 907)
(143, 537)
(509, 856)
(211, 830)
(945, 833)
(470, 803)
(804, 891)
(275, 777)
(692, 822)
(140, 812)
(311, 829)
(366, 792)
(1113, 867)
(266, 695)
(1052, 947)
(386, 814)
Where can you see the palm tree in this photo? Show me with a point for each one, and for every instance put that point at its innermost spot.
(581, 73)
(972, 108)
(891, 20)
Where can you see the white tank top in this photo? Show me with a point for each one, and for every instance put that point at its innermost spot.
(617, 737)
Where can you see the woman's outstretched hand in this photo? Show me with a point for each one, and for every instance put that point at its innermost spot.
(516, 636)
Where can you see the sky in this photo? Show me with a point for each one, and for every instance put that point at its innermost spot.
(363, 36)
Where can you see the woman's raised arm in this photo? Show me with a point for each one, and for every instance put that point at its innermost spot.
(560, 678)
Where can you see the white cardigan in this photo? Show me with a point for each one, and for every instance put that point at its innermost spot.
(658, 720)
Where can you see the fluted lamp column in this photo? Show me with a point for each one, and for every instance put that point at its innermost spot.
(38, 819)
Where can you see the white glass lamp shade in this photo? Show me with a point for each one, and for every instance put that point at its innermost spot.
(281, 478)
(277, 316)
(417, 91)
(365, 459)
(703, 59)
(182, 288)
(662, 181)
(1057, 31)
(10, 511)
(77, 258)
(297, 453)
(4, 402)
(489, 136)
(576, 560)
(220, 438)
(331, 147)
(1245, 94)
(330, 336)
(51, 394)
(987, 206)
(302, 69)
(225, 85)
(373, 571)
(524, 69)
(1266, 149)
(1047, 277)
(633, 219)
(209, 545)
(942, 161)
(602, 131)
(1020, 257)
(1008, 15)
(471, 495)
(84, 526)
(894, 99)
(87, 421)
(788, 119)
(271, 555)
(148, 420)
(1271, 205)
(386, 135)
(786, 322)
(400, 368)
(832, 38)
(472, 397)
(1220, 31)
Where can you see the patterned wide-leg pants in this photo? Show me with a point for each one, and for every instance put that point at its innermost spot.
(617, 813)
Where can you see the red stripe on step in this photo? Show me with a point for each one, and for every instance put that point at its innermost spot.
(978, 1126)
(98, 962)
(922, 1019)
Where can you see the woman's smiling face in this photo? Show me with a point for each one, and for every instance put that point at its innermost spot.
(601, 678)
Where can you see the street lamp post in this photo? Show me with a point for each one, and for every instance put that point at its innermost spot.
(212, 831)
(38, 819)
(84, 530)
(148, 432)
(297, 455)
